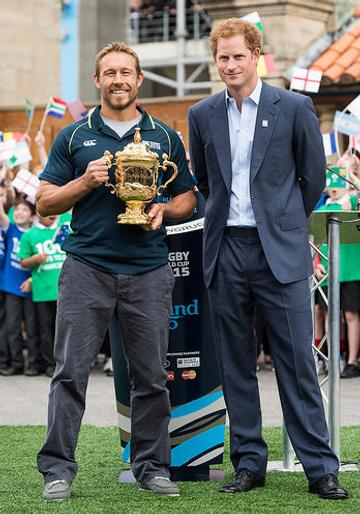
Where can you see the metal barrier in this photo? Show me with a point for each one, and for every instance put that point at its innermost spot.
(332, 220)
(161, 26)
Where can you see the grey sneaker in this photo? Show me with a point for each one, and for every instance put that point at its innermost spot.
(57, 490)
(160, 485)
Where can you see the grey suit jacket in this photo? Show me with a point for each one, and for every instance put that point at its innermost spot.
(287, 177)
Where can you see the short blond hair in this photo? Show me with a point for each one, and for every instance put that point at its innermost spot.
(235, 27)
(116, 46)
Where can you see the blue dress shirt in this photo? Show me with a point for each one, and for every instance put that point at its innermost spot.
(241, 132)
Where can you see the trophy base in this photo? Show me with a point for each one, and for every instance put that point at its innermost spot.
(134, 214)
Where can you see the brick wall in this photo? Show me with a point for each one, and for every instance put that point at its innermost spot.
(171, 111)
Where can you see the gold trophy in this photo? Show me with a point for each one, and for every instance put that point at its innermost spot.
(136, 177)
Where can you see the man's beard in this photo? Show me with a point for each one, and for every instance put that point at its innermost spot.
(120, 106)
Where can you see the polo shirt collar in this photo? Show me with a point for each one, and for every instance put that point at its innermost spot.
(96, 122)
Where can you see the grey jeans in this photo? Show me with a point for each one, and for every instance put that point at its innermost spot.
(87, 300)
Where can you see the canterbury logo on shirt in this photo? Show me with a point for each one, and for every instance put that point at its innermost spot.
(90, 142)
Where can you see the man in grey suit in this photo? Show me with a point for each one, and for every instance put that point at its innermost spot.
(257, 153)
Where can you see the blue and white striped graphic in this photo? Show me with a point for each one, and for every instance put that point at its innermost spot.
(206, 443)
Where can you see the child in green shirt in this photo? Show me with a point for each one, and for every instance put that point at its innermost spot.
(339, 200)
(44, 258)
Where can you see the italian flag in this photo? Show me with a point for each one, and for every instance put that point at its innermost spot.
(56, 107)
(254, 18)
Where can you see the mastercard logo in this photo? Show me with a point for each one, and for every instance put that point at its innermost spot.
(188, 374)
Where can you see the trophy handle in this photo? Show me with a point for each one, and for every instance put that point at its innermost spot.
(109, 162)
(164, 165)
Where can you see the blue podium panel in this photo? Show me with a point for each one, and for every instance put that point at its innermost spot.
(197, 423)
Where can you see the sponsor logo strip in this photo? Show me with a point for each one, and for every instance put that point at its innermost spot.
(188, 362)
(190, 226)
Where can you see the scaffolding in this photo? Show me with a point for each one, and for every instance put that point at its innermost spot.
(180, 27)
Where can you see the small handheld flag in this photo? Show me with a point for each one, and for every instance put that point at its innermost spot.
(19, 154)
(8, 147)
(306, 80)
(354, 143)
(346, 124)
(29, 109)
(26, 182)
(77, 110)
(354, 107)
(56, 107)
(12, 136)
(265, 65)
(329, 143)
(254, 18)
(62, 232)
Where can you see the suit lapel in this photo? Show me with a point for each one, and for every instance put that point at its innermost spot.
(219, 126)
(266, 119)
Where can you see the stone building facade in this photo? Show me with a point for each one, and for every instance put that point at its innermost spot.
(30, 38)
(290, 27)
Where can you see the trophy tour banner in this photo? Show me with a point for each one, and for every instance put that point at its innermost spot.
(197, 423)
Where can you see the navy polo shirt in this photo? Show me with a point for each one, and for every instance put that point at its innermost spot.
(97, 239)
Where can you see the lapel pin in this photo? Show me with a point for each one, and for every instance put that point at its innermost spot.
(264, 123)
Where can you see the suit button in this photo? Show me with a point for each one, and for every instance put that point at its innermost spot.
(252, 197)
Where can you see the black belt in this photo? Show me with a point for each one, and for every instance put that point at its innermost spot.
(241, 231)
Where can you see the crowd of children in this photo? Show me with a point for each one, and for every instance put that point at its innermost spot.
(31, 259)
(30, 263)
(340, 195)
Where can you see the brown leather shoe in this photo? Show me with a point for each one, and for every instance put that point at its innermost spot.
(244, 481)
(328, 487)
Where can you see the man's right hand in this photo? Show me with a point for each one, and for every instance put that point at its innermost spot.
(96, 173)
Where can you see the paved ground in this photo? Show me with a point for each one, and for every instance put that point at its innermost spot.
(23, 400)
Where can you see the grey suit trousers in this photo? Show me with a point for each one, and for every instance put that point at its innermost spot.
(243, 280)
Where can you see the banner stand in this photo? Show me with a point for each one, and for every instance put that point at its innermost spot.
(197, 425)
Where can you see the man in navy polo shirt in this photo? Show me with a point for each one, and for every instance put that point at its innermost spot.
(111, 268)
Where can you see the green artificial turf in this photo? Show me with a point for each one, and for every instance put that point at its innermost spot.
(96, 489)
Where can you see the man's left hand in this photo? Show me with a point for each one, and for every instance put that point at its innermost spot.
(156, 214)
